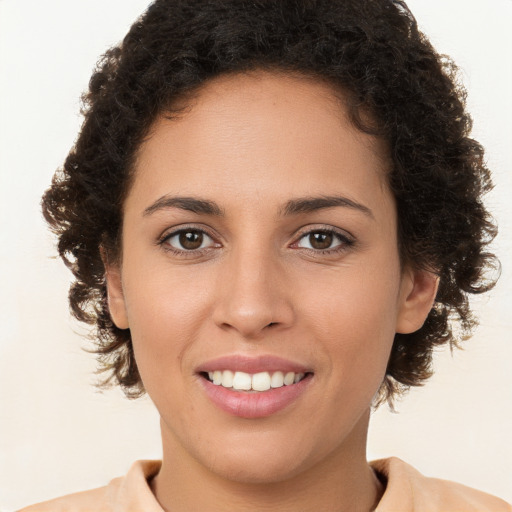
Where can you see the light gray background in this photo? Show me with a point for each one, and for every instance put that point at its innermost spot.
(58, 435)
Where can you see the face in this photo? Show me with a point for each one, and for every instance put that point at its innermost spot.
(260, 277)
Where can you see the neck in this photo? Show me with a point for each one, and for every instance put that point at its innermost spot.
(342, 481)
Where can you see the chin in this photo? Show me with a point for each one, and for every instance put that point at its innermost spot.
(261, 458)
(245, 470)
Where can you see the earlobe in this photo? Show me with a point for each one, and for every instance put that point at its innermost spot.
(115, 295)
(418, 292)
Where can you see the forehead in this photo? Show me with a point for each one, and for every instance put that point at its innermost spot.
(260, 133)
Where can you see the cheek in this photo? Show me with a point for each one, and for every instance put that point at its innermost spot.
(166, 310)
(353, 318)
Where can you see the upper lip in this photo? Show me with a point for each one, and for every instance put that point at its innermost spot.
(251, 364)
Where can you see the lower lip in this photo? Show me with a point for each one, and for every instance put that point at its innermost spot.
(255, 404)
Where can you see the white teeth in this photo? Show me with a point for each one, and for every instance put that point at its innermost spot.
(242, 381)
(277, 380)
(262, 381)
(217, 377)
(227, 379)
(289, 378)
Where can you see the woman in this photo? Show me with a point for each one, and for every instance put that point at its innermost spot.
(273, 215)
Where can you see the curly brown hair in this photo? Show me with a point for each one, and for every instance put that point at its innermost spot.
(371, 49)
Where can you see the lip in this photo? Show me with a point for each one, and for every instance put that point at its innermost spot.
(253, 404)
(243, 363)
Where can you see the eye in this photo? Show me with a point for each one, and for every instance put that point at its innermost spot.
(323, 240)
(188, 240)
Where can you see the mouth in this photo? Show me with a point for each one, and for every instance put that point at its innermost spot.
(256, 382)
(254, 387)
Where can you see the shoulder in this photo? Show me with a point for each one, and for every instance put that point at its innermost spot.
(96, 500)
(123, 494)
(408, 489)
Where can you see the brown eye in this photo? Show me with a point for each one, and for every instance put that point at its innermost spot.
(189, 240)
(320, 240)
(324, 240)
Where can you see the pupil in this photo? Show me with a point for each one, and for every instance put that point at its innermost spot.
(191, 240)
(320, 240)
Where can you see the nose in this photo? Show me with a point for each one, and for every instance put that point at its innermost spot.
(253, 295)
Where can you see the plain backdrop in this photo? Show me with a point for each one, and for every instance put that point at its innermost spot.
(57, 433)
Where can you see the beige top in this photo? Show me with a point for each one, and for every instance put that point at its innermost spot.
(407, 490)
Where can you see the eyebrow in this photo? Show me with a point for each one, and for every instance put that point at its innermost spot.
(191, 204)
(292, 207)
(311, 204)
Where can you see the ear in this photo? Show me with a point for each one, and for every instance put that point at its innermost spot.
(115, 295)
(417, 294)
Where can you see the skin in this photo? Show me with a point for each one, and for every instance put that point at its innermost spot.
(252, 143)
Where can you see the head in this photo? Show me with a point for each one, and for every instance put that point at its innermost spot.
(373, 68)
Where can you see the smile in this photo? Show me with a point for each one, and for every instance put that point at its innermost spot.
(254, 387)
(259, 382)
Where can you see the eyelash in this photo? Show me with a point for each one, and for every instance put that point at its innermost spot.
(164, 241)
(345, 242)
